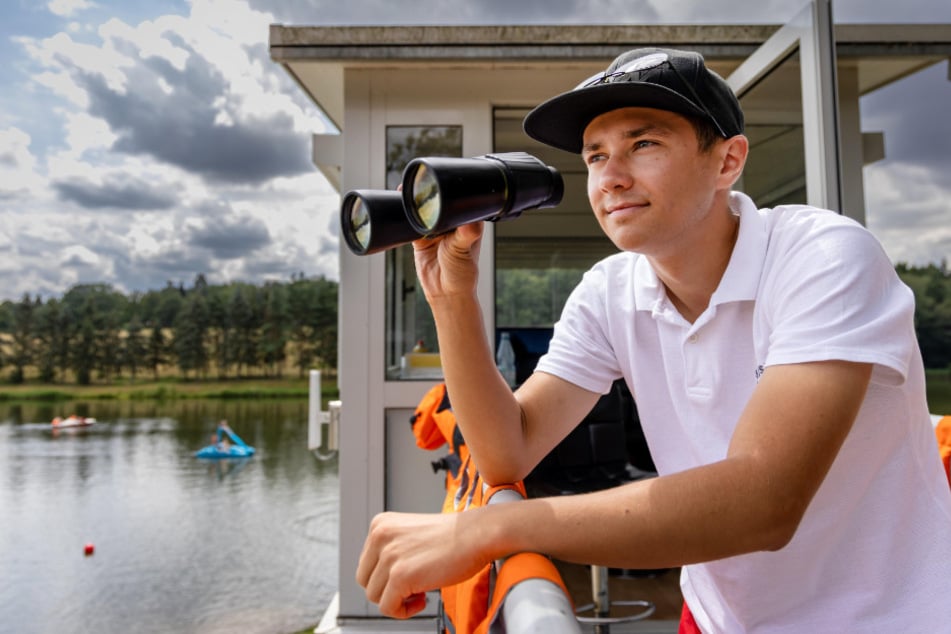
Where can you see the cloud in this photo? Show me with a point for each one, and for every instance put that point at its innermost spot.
(908, 211)
(233, 238)
(387, 12)
(151, 148)
(67, 8)
(907, 194)
(78, 256)
(18, 176)
(86, 134)
(47, 257)
(179, 266)
(133, 194)
(182, 93)
(191, 127)
(427, 12)
(183, 130)
(916, 130)
(506, 12)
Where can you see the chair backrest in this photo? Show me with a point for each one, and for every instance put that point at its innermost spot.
(598, 452)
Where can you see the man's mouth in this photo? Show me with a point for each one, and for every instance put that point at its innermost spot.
(626, 206)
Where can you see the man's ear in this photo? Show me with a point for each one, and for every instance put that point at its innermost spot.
(733, 153)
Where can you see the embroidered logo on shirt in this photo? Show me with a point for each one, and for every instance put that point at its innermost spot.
(759, 372)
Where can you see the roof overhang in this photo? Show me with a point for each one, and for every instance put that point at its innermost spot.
(317, 56)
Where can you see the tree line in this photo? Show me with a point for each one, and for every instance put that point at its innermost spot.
(532, 297)
(932, 287)
(236, 330)
(95, 332)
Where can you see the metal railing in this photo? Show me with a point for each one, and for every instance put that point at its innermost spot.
(532, 606)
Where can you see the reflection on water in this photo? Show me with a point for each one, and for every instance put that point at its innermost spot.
(181, 544)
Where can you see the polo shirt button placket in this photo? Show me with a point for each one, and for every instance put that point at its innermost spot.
(696, 385)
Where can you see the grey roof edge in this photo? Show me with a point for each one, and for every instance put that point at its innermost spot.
(491, 53)
(551, 42)
(534, 35)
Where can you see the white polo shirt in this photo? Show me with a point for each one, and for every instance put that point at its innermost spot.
(873, 552)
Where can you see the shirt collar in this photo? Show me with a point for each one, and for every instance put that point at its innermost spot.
(740, 280)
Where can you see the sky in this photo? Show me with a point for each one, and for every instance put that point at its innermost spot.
(143, 142)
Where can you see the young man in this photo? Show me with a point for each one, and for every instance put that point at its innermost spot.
(773, 359)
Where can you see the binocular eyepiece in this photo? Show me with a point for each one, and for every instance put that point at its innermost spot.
(441, 193)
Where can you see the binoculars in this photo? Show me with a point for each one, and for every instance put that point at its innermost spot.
(441, 193)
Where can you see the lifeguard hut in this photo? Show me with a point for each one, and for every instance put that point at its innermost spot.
(398, 92)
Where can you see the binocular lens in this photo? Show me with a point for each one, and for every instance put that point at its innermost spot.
(426, 196)
(372, 221)
(360, 223)
(442, 193)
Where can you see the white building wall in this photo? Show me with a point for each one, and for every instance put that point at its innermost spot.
(370, 472)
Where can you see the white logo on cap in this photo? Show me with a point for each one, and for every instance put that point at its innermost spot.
(643, 63)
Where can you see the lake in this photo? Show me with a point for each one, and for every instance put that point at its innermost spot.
(181, 545)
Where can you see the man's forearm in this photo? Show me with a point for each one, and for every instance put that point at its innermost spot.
(703, 514)
(780, 452)
(485, 408)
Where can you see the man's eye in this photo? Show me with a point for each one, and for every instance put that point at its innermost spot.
(593, 158)
(643, 143)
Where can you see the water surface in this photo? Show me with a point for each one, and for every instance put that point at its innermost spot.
(181, 544)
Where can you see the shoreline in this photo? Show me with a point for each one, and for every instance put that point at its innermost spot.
(938, 385)
(163, 389)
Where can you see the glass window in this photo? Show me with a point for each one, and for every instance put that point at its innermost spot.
(775, 172)
(411, 345)
(907, 136)
(541, 256)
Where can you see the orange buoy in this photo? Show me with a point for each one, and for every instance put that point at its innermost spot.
(89, 549)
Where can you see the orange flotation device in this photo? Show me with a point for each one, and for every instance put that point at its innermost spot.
(471, 606)
(943, 432)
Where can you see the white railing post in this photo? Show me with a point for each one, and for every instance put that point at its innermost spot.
(313, 411)
(322, 426)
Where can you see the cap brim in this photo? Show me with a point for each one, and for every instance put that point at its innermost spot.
(561, 121)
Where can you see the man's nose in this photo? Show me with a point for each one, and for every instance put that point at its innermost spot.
(615, 174)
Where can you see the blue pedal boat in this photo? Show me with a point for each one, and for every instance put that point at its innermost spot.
(233, 447)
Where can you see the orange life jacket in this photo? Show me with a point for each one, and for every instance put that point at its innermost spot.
(470, 607)
(943, 432)
(434, 425)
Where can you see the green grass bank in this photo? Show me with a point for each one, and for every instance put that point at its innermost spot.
(938, 386)
(171, 389)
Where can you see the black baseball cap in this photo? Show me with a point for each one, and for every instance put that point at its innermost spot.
(662, 78)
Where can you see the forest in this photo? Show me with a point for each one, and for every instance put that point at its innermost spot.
(96, 334)
(932, 287)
